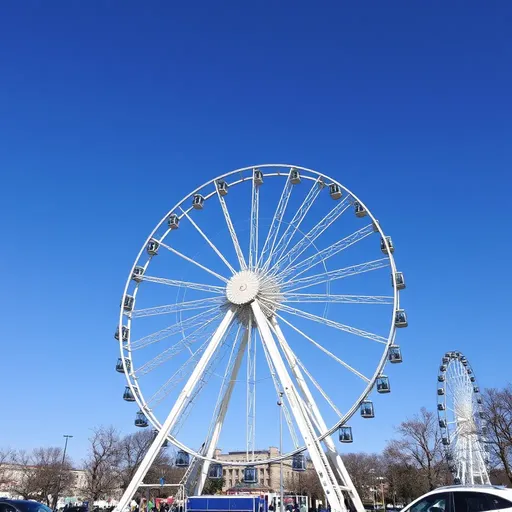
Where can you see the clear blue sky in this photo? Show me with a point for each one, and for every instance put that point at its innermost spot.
(111, 111)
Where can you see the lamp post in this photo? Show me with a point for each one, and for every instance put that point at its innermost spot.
(67, 437)
(281, 486)
(381, 479)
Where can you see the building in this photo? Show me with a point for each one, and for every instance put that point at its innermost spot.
(268, 474)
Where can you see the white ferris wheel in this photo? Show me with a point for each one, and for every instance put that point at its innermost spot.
(264, 283)
(461, 419)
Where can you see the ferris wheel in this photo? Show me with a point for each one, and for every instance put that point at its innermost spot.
(461, 419)
(268, 281)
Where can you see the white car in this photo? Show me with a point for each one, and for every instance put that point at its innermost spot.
(462, 498)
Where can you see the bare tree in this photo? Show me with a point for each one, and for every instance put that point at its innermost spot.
(6, 459)
(365, 470)
(133, 448)
(102, 466)
(305, 483)
(41, 473)
(498, 419)
(420, 446)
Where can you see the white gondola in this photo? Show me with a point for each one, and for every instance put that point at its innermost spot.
(472, 378)
(359, 209)
(215, 472)
(476, 389)
(128, 302)
(400, 318)
(442, 423)
(367, 410)
(299, 462)
(446, 360)
(197, 201)
(479, 400)
(440, 391)
(222, 187)
(441, 407)
(469, 371)
(441, 378)
(294, 177)
(120, 367)
(400, 281)
(375, 226)
(443, 368)
(345, 434)
(173, 221)
(125, 331)
(152, 247)
(383, 247)
(258, 177)
(335, 191)
(137, 274)
(395, 354)
(140, 420)
(128, 395)
(445, 441)
(182, 459)
(250, 475)
(383, 384)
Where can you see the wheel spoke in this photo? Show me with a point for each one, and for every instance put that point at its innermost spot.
(332, 323)
(209, 371)
(209, 242)
(176, 377)
(190, 260)
(185, 284)
(287, 259)
(231, 229)
(333, 275)
(331, 298)
(169, 353)
(327, 253)
(180, 326)
(255, 214)
(294, 360)
(182, 372)
(295, 223)
(325, 351)
(178, 307)
(268, 247)
(278, 388)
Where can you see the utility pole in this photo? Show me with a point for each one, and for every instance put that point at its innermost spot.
(281, 486)
(67, 437)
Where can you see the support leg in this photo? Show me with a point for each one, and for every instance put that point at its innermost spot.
(176, 410)
(332, 453)
(307, 430)
(214, 439)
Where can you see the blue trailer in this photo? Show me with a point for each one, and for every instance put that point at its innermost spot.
(226, 504)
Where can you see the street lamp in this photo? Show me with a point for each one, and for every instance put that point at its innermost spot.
(281, 487)
(67, 437)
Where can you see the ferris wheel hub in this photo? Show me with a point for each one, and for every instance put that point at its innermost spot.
(243, 287)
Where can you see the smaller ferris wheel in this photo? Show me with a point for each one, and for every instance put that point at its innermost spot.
(461, 419)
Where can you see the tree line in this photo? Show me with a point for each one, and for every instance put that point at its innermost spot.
(410, 465)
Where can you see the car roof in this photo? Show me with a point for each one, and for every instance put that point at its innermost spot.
(493, 489)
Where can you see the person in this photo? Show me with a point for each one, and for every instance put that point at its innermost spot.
(133, 505)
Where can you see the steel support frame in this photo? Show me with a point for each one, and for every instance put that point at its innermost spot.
(178, 407)
(306, 428)
(317, 418)
(211, 443)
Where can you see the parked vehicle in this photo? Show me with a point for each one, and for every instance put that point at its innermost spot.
(462, 498)
(7, 505)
